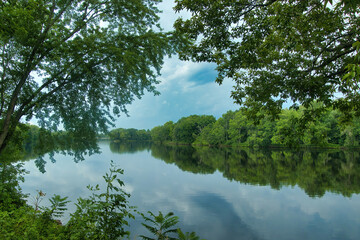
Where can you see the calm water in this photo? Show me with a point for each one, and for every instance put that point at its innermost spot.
(222, 193)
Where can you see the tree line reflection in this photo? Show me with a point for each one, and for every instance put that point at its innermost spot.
(314, 171)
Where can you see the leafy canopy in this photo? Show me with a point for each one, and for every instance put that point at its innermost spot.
(77, 63)
(279, 50)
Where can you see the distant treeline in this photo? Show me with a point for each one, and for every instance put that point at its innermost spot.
(130, 134)
(234, 128)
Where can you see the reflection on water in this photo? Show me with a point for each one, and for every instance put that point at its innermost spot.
(224, 193)
(315, 171)
(217, 207)
(129, 147)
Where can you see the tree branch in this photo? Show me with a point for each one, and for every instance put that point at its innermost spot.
(24, 109)
(333, 58)
(46, 84)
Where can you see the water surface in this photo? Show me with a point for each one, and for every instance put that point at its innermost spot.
(222, 193)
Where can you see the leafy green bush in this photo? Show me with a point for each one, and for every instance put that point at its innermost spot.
(104, 215)
(163, 228)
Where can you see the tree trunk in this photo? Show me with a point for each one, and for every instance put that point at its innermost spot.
(3, 136)
(7, 131)
(10, 121)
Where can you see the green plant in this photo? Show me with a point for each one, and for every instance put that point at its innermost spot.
(21, 221)
(163, 228)
(58, 206)
(162, 225)
(187, 235)
(10, 192)
(102, 215)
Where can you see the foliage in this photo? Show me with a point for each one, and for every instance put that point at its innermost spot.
(58, 206)
(187, 235)
(102, 215)
(162, 133)
(10, 191)
(188, 128)
(20, 221)
(236, 129)
(216, 133)
(276, 51)
(131, 134)
(184, 131)
(25, 223)
(15, 148)
(77, 63)
(163, 228)
(289, 130)
(162, 225)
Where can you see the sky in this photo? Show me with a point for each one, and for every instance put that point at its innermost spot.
(186, 88)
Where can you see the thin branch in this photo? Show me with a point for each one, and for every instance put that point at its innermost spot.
(29, 103)
(327, 49)
(253, 6)
(46, 84)
(333, 58)
(22, 111)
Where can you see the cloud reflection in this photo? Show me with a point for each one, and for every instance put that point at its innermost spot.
(222, 221)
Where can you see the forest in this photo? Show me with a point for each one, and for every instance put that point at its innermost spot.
(234, 128)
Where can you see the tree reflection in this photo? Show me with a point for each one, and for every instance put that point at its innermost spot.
(185, 157)
(129, 147)
(315, 171)
(37, 142)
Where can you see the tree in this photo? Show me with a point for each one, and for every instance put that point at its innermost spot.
(276, 51)
(287, 132)
(188, 128)
(162, 133)
(239, 128)
(77, 63)
(216, 133)
(130, 134)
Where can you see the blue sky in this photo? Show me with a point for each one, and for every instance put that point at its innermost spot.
(186, 88)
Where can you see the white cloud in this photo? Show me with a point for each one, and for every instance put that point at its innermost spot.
(186, 88)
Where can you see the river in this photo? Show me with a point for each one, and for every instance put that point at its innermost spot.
(220, 193)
